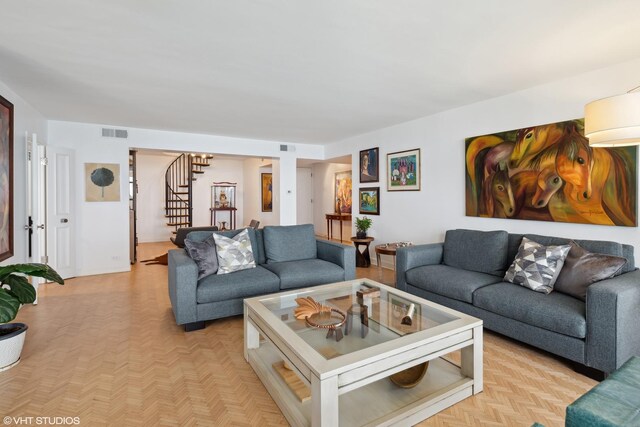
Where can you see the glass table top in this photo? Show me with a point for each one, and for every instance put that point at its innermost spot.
(374, 315)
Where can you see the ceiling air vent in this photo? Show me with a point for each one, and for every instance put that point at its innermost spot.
(114, 133)
(284, 147)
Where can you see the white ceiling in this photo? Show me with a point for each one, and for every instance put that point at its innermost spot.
(296, 70)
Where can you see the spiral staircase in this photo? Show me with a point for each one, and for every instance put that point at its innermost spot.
(178, 195)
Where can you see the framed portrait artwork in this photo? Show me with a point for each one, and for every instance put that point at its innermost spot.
(266, 180)
(403, 171)
(6, 179)
(369, 199)
(369, 165)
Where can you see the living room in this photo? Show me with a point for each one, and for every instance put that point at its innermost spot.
(375, 76)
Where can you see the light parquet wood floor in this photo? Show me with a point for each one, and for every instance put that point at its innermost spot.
(106, 349)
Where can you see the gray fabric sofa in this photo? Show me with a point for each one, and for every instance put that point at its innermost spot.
(465, 273)
(287, 257)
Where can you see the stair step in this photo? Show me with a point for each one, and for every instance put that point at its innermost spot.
(180, 192)
(200, 164)
(177, 216)
(177, 224)
(184, 185)
(197, 171)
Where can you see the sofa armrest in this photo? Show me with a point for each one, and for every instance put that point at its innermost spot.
(183, 281)
(415, 256)
(342, 255)
(613, 316)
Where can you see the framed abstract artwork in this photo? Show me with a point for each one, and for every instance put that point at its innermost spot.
(6, 179)
(550, 173)
(102, 182)
(369, 165)
(342, 193)
(403, 171)
(369, 199)
(266, 180)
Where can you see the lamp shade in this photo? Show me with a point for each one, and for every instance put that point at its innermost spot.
(614, 121)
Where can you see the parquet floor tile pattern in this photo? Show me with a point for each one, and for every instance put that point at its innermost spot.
(106, 349)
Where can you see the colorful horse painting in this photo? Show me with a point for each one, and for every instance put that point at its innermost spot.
(552, 174)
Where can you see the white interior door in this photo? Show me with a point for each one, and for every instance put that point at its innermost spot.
(304, 196)
(60, 224)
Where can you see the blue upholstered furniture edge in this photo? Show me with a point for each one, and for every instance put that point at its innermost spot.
(611, 312)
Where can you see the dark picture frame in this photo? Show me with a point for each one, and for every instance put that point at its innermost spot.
(6, 179)
(370, 165)
(369, 200)
(266, 191)
(403, 170)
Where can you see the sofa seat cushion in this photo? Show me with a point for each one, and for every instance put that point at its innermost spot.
(239, 284)
(289, 242)
(306, 272)
(449, 281)
(554, 312)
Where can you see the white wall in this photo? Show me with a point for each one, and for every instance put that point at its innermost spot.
(424, 216)
(151, 223)
(26, 119)
(102, 231)
(323, 202)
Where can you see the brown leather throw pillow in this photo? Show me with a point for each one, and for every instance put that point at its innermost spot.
(582, 268)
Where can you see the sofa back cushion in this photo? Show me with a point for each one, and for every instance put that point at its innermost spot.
(596, 246)
(290, 243)
(256, 236)
(481, 251)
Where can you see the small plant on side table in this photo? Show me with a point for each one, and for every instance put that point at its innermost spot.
(362, 225)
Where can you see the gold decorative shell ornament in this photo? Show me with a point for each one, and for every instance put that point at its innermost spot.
(307, 307)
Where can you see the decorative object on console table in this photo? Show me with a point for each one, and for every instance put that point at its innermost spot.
(266, 180)
(223, 199)
(403, 171)
(369, 165)
(550, 173)
(6, 179)
(343, 187)
(362, 225)
(102, 182)
(369, 200)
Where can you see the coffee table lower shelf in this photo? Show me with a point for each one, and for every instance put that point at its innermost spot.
(378, 403)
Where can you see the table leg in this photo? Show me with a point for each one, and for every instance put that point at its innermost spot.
(366, 256)
(251, 336)
(324, 402)
(340, 230)
(471, 365)
(328, 229)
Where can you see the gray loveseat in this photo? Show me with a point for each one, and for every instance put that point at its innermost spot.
(466, 271)
(287, 257)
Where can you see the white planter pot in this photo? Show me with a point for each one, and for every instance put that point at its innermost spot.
(11, 344)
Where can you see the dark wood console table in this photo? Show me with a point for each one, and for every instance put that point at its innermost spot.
(336, 217)
(232, 216)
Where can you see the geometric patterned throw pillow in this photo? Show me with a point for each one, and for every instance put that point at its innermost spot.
(234, 254)
(537, 266)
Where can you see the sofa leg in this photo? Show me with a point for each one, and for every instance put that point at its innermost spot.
(189, 327)
(594, 374)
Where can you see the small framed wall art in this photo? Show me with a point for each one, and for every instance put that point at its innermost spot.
(370, 200)
(403, 170)
(267, 191)
(102, 182)
(369, 165)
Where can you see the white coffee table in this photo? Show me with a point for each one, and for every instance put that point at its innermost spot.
(348, 378)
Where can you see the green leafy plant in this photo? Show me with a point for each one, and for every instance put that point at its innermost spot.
(16, 290)
(363, 224)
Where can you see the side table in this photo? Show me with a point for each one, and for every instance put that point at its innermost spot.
(363, 259)
(389, 249)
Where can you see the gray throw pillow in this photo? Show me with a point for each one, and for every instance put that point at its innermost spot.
(537, 266)
(204, 255)
(582, 268)
(234, 254)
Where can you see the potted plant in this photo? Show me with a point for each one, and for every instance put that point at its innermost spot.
(15, 290)
(362, 225)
